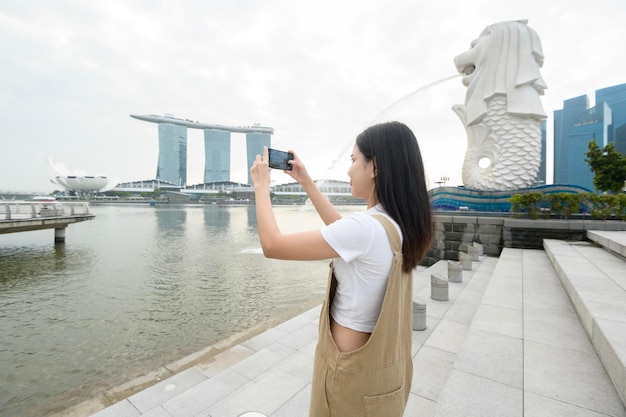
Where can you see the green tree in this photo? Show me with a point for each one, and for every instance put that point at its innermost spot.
(604, 206)
(565, 204)
(586, 203)
(622, 206)
(527, 202)
(608, 166)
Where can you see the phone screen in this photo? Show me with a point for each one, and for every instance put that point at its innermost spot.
(278, 159)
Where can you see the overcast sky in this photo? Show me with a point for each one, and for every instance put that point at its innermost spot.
(318, 72)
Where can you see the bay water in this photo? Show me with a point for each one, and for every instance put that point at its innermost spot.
(134, 289)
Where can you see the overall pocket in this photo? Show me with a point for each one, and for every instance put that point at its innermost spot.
(386, 405)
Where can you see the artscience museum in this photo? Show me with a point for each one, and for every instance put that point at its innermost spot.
(79, 181)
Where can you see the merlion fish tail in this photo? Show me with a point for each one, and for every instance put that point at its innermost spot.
(504, 150)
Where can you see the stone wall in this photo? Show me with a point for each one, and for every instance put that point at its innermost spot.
(529, 234)
(454, 232)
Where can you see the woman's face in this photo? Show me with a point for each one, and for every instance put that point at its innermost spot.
(362, 177)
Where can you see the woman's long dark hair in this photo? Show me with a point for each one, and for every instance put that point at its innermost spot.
(400, 185)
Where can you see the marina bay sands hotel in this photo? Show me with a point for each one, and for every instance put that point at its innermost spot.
(172, 164)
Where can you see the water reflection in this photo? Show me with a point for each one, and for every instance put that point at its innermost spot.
(251, 210)
(171, 221)
(217, 219)
(23, 266)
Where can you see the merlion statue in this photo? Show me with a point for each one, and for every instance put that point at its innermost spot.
(502, 112)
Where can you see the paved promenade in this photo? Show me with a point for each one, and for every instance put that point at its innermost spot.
(509, 342)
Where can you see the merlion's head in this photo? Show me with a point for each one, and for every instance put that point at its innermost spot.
(505, 59)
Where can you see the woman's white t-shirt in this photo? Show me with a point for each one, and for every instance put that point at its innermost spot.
(362, 269)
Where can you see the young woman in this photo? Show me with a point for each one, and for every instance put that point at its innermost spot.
(363, 363)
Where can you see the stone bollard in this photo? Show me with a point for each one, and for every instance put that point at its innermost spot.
(455, 272)
(466, 261)
(481, 248)
(473, 252)
(438, 287)
(419, 315)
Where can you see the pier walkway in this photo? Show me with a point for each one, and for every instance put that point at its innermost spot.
(21, 216)
(531, 333)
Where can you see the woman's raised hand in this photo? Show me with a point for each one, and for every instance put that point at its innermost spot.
(298, 171)
(260, 171)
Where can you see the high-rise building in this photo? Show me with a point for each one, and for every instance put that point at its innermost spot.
(620, 139)
(615, 97)
(172, 165)
(563, 125)
(216, 155)
(254, 145)
(577, 124)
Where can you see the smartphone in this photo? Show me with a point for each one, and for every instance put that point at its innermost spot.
(278, 159)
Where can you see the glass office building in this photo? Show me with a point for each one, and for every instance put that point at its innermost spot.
(563, 126)
(216, 155)
(620, 139)
(255, 142)
(615, 97)
(592, 124)
(172, 164)
(577, 124)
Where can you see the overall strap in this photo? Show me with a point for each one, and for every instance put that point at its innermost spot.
(392, 233)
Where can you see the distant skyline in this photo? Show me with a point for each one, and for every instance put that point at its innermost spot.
(320, 72)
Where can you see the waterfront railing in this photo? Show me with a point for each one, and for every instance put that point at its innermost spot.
(18, 210)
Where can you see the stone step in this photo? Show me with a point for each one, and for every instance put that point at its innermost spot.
(485, 355)
(526, 352)
(595, 281)
(436, 348)
(614, 242)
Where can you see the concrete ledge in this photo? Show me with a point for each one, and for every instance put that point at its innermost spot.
(611, 240)
(497, 221)
(595, 282)
(608, 338)
(443, 218)
(605, 225)
(465, 219)
(537, 224)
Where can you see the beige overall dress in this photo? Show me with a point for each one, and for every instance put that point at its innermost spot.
(374, 380)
